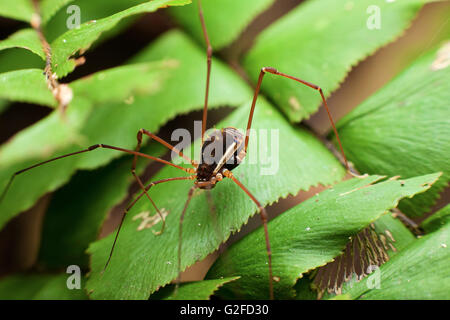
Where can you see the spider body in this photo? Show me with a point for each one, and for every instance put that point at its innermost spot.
(222, 150)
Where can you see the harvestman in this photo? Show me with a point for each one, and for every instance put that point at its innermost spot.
(210, 170)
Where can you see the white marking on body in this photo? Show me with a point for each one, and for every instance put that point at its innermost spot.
(231, 149)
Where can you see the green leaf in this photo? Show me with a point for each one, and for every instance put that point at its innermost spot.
(32, 145)
(419, 272)
(142, 261)
(26, 39)
(199, 290)
(90, 90)
(27, 85)
(404, 129)
(53, 137)
(224, 19)
(310, 234)
(114, 123)
(125, 82)
(74, 40)
(68, 230)
(18, 59)
(90, 10)
(38, 287)
(320, 41)
(185, 89)
(437, 220)
(17, 9)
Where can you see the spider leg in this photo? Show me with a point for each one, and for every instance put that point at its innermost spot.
(133, 167)
(164, 143)
(306, 83)
(91, 148)
(209, 52)
(264, 219)
(146, 189)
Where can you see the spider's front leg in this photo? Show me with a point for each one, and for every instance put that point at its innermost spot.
(209, 52)
(140, 134)
(264, 219)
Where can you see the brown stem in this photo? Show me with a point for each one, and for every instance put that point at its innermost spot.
(62, 93)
